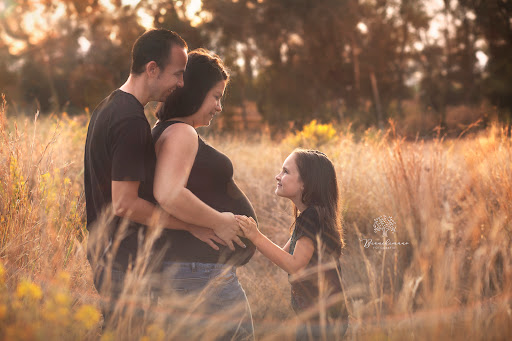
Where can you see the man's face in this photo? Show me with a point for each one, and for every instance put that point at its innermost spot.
(171, 77)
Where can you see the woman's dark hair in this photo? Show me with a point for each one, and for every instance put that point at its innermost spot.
(321, 193)
(204, 70)
(154, 45)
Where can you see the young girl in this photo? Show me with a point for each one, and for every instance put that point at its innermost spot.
(311, 255)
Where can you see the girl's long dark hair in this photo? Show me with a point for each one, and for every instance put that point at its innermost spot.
(321, 193)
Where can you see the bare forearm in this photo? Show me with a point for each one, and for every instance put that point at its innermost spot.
(276, 254)
(187, 207)
(143, 212)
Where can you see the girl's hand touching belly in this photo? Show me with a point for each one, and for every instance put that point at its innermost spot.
(248, 226)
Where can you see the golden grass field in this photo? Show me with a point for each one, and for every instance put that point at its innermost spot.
(451, 201)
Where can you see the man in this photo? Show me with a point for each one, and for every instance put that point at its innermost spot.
(119, 166)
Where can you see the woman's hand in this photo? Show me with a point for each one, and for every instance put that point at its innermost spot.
(229, 230)
(206, 235)
(248, 226)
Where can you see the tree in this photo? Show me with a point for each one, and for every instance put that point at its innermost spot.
(493, 18)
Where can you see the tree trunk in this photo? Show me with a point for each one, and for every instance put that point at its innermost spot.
(357, 71)
(376, 97)
(53, 90)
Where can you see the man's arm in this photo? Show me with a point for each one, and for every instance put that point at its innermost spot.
(127, 203)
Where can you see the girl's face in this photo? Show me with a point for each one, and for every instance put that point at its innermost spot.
(289, 183)
(210, 107)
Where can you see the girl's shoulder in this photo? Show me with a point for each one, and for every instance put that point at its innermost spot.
(309, 215)
(308, 222)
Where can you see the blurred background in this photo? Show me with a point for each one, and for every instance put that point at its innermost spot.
(323, 74)
(421, 63)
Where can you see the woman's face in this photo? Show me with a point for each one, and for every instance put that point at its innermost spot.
(211, 105)
(289, 183)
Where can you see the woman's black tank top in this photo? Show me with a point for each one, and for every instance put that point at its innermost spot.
(211, 180)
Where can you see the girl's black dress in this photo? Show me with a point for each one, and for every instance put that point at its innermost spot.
(305, 292)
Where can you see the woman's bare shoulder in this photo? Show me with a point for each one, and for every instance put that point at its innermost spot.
(179, 131)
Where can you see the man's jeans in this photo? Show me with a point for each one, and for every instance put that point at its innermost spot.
(195, 301)
(110, 290)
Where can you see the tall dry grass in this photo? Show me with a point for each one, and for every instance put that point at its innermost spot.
(451, 201)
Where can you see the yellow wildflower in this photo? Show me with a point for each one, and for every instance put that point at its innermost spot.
(313, 134)
(88, 315)
(29, 290)
(45, 176)
(108, 336)
(57, 314)
(2, 272)
(62, 299)
(63, 278)
(154, 332)
(18, 332)
(16, 305)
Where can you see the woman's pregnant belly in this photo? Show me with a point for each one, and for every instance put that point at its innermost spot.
(181, 246)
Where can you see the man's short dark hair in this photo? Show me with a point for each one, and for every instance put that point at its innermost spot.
(154, 45)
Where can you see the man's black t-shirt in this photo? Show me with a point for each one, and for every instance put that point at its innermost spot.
(119, 147)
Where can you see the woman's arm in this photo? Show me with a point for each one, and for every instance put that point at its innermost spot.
(289, 263)
(176, 151)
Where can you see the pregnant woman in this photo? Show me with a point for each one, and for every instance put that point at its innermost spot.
(194, 182)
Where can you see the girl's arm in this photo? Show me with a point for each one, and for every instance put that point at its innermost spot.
(289, 263)
(176, 150)
(286, 246)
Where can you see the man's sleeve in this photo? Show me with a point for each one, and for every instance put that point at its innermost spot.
(130, 143)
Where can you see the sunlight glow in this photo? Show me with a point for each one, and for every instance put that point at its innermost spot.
(482, 59)
(437, 24)
(84, 45)
(132, 3)
(419, 46)
(295, 39)
(284, 52)
(108, 5)
(38, 22)
(195, 14)
(16, 47)
(470, 15)
(193, 7)
(362, 28)
(145, 19)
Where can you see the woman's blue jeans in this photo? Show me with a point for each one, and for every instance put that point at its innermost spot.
(217, 301)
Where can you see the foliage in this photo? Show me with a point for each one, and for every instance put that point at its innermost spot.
(312, 135)
(29, 314)
(295, 58)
